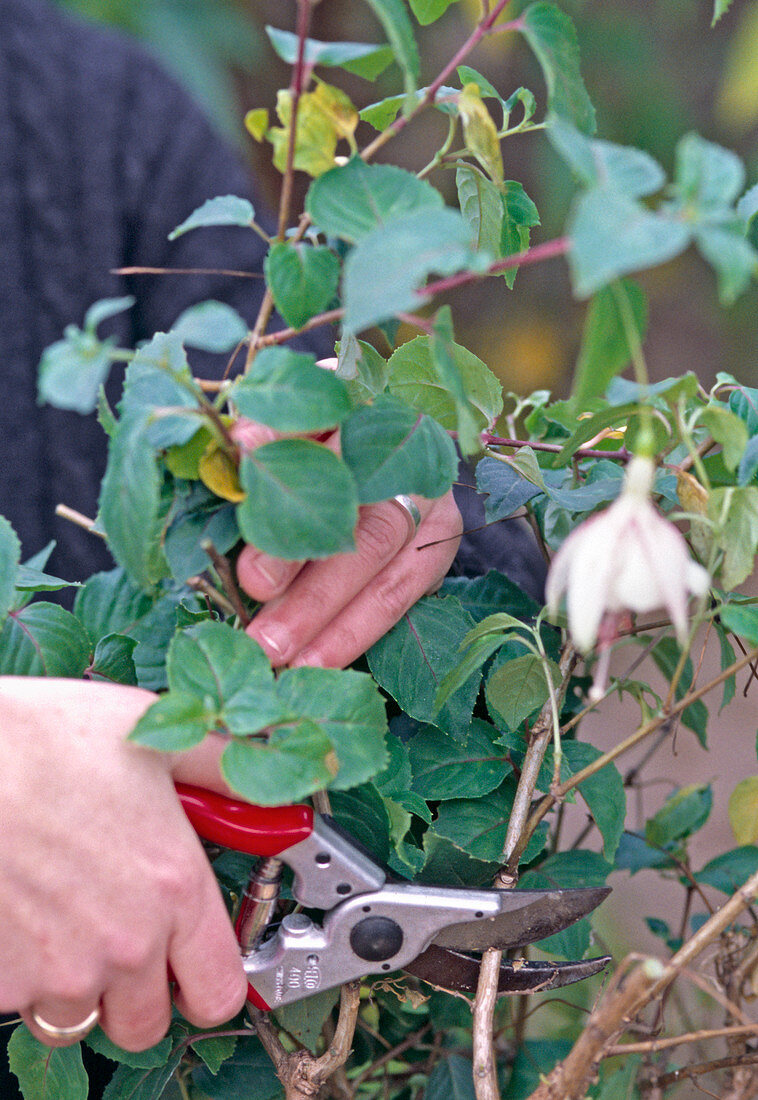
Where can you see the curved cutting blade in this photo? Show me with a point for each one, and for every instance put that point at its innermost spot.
(452, 970)
(526, 917)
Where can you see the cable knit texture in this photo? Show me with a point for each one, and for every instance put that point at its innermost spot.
(101, 155)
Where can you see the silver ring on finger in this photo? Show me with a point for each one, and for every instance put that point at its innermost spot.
(409, 508)
(70, 1033)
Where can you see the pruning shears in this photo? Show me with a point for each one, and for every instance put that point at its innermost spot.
(370, 924)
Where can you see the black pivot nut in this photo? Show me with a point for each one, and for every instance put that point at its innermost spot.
(376, 938)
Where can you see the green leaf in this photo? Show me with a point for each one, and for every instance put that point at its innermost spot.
(481, 204)
(730, 254)
(518, 688)
(159, 389)
(720, 7)
(612, 235)
(200, 517)
(748, 463)
(682, 814)
(491, 593)
(352, 200)
(743, 400)
(228, 672)
(44, 1073)
(444, 767)
(154, 1056)
(130, 503)
(104, 310)
(742, 620)
(348, 707)
(477, 825)
(362, 813)
(628, 171)
(114, 661)
(109, 603)
(443, 350)
(143, 1084)
(399, 30)
(666, 656)
(552, 38)
(739, 532)
(576, 868)
(506, 490)
(174, 723)
(304, 1019)
(250, 1063)
(520, 215)
(447, 864)
(223, 210)
(72, 371)
(301, 501)
(362, 58)
(429, 11)
(391, 449)
(534, 1061)
(302, 278)
(414, 376)
(10, 554)
(453, 1075)
(43, 640)
(214, 1049)
(286, 390)
(603, 793)
(605, 349)
(210, 326)
(707, 175)
(729, 430)
(411, 659)
(729, 870)
(387, 268)
(291, 765)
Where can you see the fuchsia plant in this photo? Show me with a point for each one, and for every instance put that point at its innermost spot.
(453, 749)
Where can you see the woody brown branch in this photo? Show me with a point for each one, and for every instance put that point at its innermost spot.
(620, 1006)
(485, 1063)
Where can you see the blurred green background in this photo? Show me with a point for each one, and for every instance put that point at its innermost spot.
(654, 70)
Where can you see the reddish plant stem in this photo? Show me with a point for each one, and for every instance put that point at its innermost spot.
(546, 251)
(622, 454)
(483, 28)
(304, 8)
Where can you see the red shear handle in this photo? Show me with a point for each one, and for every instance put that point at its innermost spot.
(257, 830)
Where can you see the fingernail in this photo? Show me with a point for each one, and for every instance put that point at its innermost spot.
(275, 641)
(272, 570)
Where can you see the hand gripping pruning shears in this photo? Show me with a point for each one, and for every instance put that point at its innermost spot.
(371, 925)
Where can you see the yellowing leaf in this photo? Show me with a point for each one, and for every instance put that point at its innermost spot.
(743, 811)
(217, 470)
(256, 123)
(323, 117)
(480, 132)
(338, 108)
(183, 459)
(694, 498)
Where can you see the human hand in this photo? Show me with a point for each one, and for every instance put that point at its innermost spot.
(329, 612)
(103, 883)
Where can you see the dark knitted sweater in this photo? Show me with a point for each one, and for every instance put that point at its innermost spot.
(101, 155)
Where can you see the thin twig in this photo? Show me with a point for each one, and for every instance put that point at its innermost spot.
(652, 1046)
(228, 580)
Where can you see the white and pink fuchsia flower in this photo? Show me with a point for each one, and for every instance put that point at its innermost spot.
(625, 558)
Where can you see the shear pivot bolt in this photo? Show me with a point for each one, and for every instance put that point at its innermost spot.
(376, 938)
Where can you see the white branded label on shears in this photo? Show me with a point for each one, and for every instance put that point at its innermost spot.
(294, 978)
